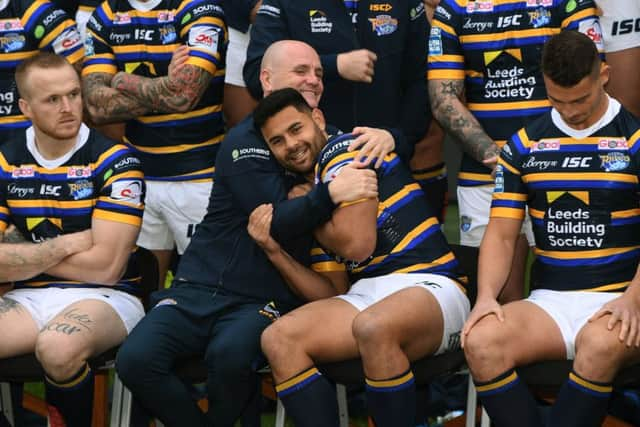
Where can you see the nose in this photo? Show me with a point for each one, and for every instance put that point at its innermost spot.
(312, 79)
(65, 104)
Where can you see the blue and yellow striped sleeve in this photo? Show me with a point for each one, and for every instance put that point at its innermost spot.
(446, 60)
(322, 262)
(510, 193)
(122, 193)
(583, 16)
(53, 30)
(100, 57)
(204, 30)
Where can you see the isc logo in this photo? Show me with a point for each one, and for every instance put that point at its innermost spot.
(625, 27)
(380, 7)
(576, 162)
(50, 190)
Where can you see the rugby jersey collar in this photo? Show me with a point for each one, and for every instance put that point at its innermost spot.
(83, 136)
(612, 111)
(144, 6)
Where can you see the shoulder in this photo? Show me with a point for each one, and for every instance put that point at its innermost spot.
(107, 153)
(336, 145)
(195, 9)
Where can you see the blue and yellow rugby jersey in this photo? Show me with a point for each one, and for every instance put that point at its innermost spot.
(172, 147)
(583, 200)
(496, 47)
(27, 27)
(409, 239)
(100, 179)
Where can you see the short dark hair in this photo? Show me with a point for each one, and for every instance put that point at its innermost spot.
(277, 101)
(39, 60)
(569, 57)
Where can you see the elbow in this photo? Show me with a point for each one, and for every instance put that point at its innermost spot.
(186, 106)
(94, 117)
(110, 275)
(358, 250)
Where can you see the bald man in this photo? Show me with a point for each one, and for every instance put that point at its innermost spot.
(226, 291)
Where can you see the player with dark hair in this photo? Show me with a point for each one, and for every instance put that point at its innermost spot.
(577, 169)
(407, 299)
(226, 291)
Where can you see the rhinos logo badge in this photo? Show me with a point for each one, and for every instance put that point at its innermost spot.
(383, 25)
(614, 161)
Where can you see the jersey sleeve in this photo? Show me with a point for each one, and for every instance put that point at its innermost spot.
(446, 60)
(122, 187)
(510, 193)
(336, 155)
(583, 16)
(53, 30)
(322, 262)
(99, 54)
(203, 28)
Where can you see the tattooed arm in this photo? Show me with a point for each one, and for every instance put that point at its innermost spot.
(178, 92)
(20, 261)
(449, 110)
(105, 104)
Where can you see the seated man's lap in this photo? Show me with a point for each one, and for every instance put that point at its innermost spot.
(570, 311)
(453, 302)
(45, 304)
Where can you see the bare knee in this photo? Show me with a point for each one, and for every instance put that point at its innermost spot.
(484, 350)
(59, 361)
(280, 340)
(599, 353)
(371, 330)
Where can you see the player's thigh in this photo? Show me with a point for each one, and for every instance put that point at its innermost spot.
(18, 329)
(322, 329)
(92, 325)
(527, 334)
(411, 318)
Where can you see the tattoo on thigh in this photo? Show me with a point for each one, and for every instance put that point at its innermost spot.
(73, 321)
(61, 327)
(76, 316)
(7, 304)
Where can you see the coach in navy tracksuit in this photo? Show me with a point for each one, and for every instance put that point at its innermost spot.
(226, 291)
(374, 57)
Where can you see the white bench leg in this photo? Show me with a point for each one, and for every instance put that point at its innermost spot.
(5, 403)
(343, 410)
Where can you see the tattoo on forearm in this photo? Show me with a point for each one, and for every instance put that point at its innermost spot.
(107, 105)
(451, 113)
(13, 235)
(21, 261)
(7, 304)
(168, 94)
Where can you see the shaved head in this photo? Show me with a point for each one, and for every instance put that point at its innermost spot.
(295, 64)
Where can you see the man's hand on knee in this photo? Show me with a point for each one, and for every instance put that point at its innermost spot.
(483, 307)
(626, 310)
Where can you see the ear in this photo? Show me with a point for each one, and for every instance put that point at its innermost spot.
(265, 81)
(605, 73)
(318, 117)
(24, 108)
